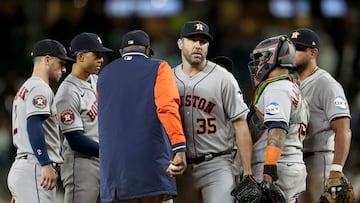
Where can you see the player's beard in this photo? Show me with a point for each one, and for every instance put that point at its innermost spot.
(300, 66)
(194, 61)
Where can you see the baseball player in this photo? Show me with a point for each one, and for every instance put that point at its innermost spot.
(76, 103)
(32, 176)
(211, 101)
(278, 118)
(328, 138)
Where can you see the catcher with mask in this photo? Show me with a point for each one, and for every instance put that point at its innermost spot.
(277, 120)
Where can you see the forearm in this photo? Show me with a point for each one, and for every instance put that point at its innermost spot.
(82, 144)
(244, 144)
(341, 127)
(276, 139)
(342, 147)
(37, 138)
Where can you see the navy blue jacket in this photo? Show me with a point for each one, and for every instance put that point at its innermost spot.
(134, 147)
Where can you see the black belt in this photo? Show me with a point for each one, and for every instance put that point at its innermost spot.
(207, 157)
(56, 166)
(309, 154)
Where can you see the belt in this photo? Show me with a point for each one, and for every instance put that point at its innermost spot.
(207, 157)
(56, 166)
(309, 154)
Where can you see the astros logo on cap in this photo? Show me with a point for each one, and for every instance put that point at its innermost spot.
(295, 35)
(199, 26)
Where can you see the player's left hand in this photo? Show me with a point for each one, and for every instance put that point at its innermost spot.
(48, 177)
(177, 165)
(271, 192)
(338, 189)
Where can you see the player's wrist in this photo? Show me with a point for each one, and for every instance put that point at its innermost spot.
(271, 170)
(336, 168)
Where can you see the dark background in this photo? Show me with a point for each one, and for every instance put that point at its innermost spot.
(237, 26)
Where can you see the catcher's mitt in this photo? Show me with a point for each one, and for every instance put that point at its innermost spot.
(338, 190)
(271, 193)
(248, 190)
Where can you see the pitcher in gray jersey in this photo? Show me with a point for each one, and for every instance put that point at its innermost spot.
(278, 118)
(211, 101)
(33, 175)
(76, 102)
(328, 138)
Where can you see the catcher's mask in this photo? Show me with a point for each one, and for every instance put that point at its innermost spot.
(273, 52)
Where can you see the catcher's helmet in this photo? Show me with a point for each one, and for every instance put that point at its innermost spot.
(273, 52)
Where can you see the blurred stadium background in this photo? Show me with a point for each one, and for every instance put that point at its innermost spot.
(237, 26)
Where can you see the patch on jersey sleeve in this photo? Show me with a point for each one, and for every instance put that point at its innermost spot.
(39, 101)
(340, 103)
(67, 117)
(272, 109)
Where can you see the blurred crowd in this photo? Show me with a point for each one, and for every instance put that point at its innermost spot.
(236, 26)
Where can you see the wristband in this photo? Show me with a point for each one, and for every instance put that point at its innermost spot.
(336, 167)
(271, 170)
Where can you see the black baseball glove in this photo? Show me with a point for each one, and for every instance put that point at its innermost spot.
(248, 190)
(339, 190)
(271, 193)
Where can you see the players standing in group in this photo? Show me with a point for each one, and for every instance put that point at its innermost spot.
(142, 143)
(328, 138)
(76, 102)
(211, 101)
(33, 175)
(278, 118)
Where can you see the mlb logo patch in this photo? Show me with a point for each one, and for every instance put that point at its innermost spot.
(272, 109)
(340, 103)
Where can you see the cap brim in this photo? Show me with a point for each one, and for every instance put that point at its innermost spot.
(102, 49)
(66, 58)
(303, 44)
(208, 37)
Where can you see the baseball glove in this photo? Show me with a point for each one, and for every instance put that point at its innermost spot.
(338, 190)
(271, 193)
(248, 190)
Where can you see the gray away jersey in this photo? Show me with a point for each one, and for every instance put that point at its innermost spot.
(76, 103)
(280, 101)
(210, 100)
(327, 101)
(35, 97)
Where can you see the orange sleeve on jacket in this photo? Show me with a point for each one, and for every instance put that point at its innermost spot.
(167, 101)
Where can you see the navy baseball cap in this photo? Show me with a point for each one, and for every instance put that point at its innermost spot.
(305, 37)
(136, 37)
(196, 28)
(87, 42)
(50, 47)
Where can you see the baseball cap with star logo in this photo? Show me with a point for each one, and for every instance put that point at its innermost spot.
(305, 37)
(196, 28)
(87, 42)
